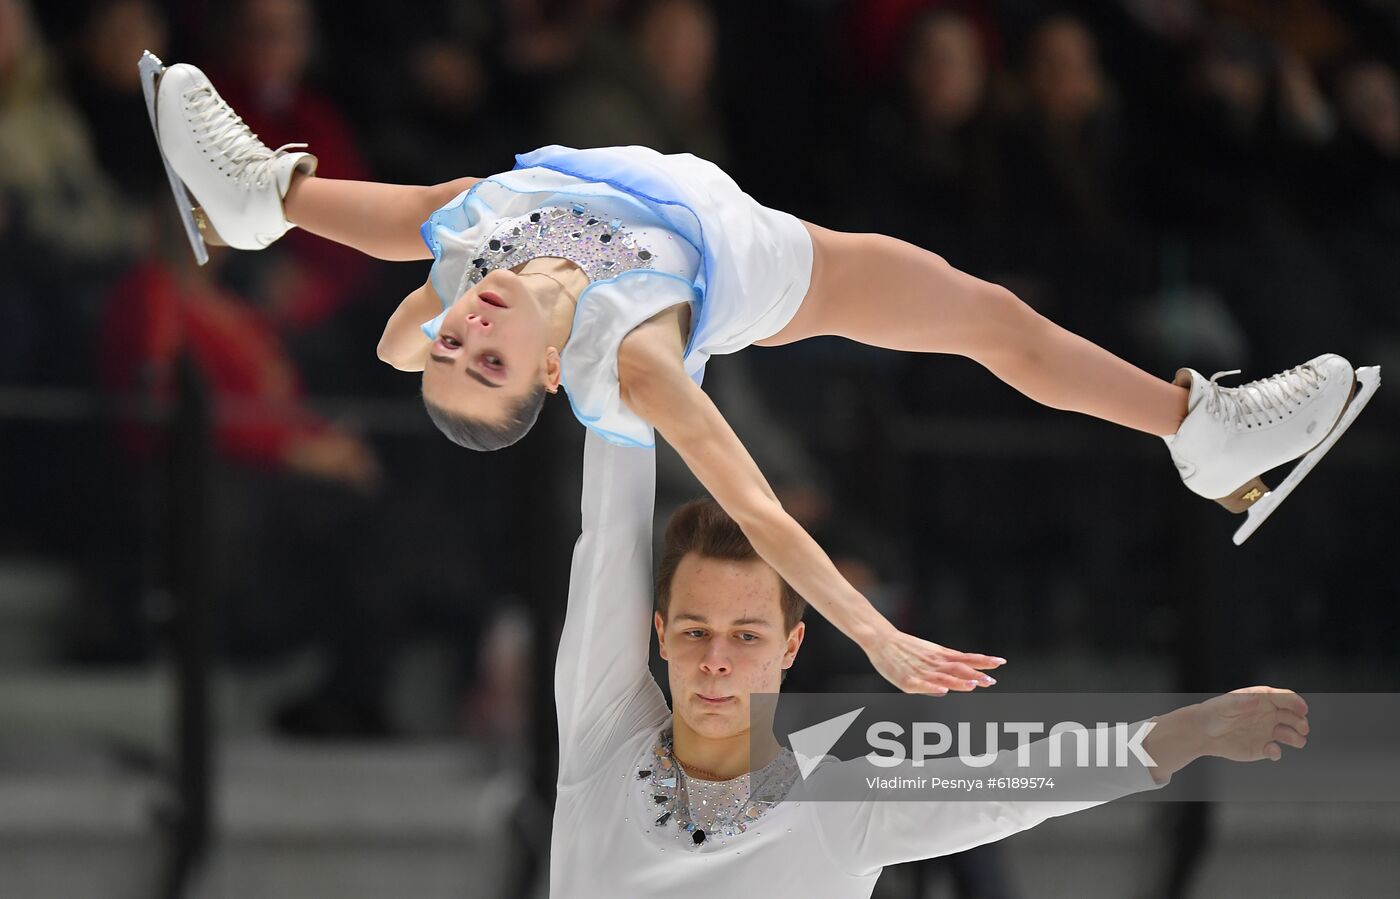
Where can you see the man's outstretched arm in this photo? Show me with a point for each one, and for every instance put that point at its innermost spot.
(603, 688)
(1247, 725)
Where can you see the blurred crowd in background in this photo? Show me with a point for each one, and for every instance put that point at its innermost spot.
(1213, 183)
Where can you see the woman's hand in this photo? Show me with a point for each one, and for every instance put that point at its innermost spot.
(918, 666)
(404, 345)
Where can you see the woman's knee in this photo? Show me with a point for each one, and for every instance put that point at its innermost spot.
(1010, 328)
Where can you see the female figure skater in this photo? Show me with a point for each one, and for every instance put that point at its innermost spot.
(618, 272)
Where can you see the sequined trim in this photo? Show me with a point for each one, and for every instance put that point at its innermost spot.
(600, 246)
(707, 811)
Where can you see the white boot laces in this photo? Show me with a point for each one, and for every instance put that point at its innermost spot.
(249, 159)
(1264, 401)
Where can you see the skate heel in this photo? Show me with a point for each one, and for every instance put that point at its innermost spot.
(206, 228)
(1245, 496)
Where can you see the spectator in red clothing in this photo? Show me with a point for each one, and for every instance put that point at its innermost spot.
(266, 53)
(293, 558)
(157, 311)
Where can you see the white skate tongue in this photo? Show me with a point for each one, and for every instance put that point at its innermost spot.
(1201, 386)
(287, 165)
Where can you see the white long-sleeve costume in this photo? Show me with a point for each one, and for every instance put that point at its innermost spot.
(606, 844)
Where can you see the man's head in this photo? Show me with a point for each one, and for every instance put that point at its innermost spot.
(728, 625)
(493, 361)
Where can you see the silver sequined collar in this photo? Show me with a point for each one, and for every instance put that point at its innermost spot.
(701, 811)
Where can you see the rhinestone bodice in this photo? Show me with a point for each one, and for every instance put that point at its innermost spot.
(603, 248)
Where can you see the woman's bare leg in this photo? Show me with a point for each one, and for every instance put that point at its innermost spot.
(381, 220)
(888, 293)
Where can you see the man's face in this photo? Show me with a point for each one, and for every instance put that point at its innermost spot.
(724, 640)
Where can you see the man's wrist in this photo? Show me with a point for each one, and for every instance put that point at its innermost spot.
(1177, 740)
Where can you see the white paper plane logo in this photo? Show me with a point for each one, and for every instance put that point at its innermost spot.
(811, 744)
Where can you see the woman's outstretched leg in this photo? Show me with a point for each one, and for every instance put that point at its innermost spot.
(888, 293)
(381, 220)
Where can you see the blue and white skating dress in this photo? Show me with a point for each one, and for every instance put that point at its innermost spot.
(651, 231)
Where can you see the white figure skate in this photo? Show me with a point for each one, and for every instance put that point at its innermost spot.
(208, 151)
(1233, 435)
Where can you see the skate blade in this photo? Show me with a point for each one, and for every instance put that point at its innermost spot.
(150, 68)
(1368, 379)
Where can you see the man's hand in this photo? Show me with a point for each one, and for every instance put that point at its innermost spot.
(1245, 725)
(918, 666)
(1254, 723)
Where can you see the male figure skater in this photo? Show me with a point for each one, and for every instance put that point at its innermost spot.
(660, 802)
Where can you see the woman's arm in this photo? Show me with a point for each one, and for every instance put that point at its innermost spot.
(655, 386)
(404, 345)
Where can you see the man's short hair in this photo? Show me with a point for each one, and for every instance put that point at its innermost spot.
(704, 528)
(475, 434)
